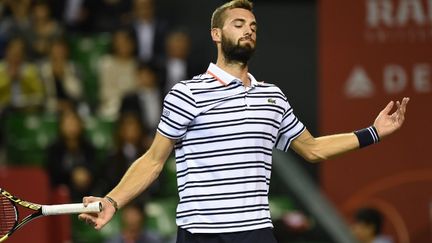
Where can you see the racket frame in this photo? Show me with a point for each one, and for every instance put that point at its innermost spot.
(91, 208)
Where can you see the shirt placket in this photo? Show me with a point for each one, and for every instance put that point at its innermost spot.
(245, 91)
(247, 99)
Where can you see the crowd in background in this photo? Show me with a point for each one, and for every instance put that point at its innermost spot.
(37, 71)
(39, 74)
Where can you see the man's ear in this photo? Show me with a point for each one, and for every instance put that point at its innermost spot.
(216, 34)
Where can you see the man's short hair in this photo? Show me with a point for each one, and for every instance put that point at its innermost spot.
(370, 216)
(218, 17)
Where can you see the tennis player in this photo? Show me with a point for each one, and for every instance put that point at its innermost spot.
(223, 125)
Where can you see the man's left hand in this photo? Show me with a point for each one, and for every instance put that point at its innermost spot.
(387, 123)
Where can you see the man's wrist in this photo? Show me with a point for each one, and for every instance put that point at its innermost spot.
(112, 202)
(367, 136)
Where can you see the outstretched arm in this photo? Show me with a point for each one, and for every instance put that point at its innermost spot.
(136, 179)
(326, 147)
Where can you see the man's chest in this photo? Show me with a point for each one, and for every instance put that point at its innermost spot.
(241, 111)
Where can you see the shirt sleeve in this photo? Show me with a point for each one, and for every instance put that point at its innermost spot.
(291, 127)
(179, 110)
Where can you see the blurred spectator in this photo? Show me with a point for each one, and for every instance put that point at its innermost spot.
(176, 65)
(111, 14)
(20, 85)
(18, 23)
(71, 159)
(129, 145)
(367, 226)
(74, 14)
(296, 221)
(145, 101)
(90, 16)
(58, 9)
(3, 38)
(150, 31)
(62, 84)
(116, 74)
(44, 29)
(133, 231)
(296, 226)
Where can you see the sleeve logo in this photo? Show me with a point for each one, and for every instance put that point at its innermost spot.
(165, 112)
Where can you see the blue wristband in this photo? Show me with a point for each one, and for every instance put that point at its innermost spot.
(367, 136)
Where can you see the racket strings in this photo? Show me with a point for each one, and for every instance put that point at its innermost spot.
(8, 215)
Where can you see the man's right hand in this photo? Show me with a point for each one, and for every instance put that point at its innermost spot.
(138, 177)
(98, 220)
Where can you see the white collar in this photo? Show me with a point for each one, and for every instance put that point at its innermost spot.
(226, 78)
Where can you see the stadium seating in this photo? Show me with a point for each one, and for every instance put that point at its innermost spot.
(27, 136)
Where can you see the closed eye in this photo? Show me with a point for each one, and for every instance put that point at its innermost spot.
(239, 23)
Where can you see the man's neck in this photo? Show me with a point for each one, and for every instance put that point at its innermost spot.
(236, 69)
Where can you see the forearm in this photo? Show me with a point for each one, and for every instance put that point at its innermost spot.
(325, 147)
(137, 178)
(328, 147)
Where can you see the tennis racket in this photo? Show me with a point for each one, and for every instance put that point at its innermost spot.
(9, 215)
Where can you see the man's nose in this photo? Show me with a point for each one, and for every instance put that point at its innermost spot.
(248, 32)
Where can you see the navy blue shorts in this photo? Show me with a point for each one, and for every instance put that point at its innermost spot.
(253, 236)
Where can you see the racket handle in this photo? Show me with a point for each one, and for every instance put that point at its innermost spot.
(94, 207)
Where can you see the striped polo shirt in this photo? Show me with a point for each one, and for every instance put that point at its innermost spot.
(225, 134)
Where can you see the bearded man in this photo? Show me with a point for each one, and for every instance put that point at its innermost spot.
(223, 125)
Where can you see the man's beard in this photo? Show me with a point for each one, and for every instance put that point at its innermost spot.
(234, 52)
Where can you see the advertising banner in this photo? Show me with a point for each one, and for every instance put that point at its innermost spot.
(372, 52)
